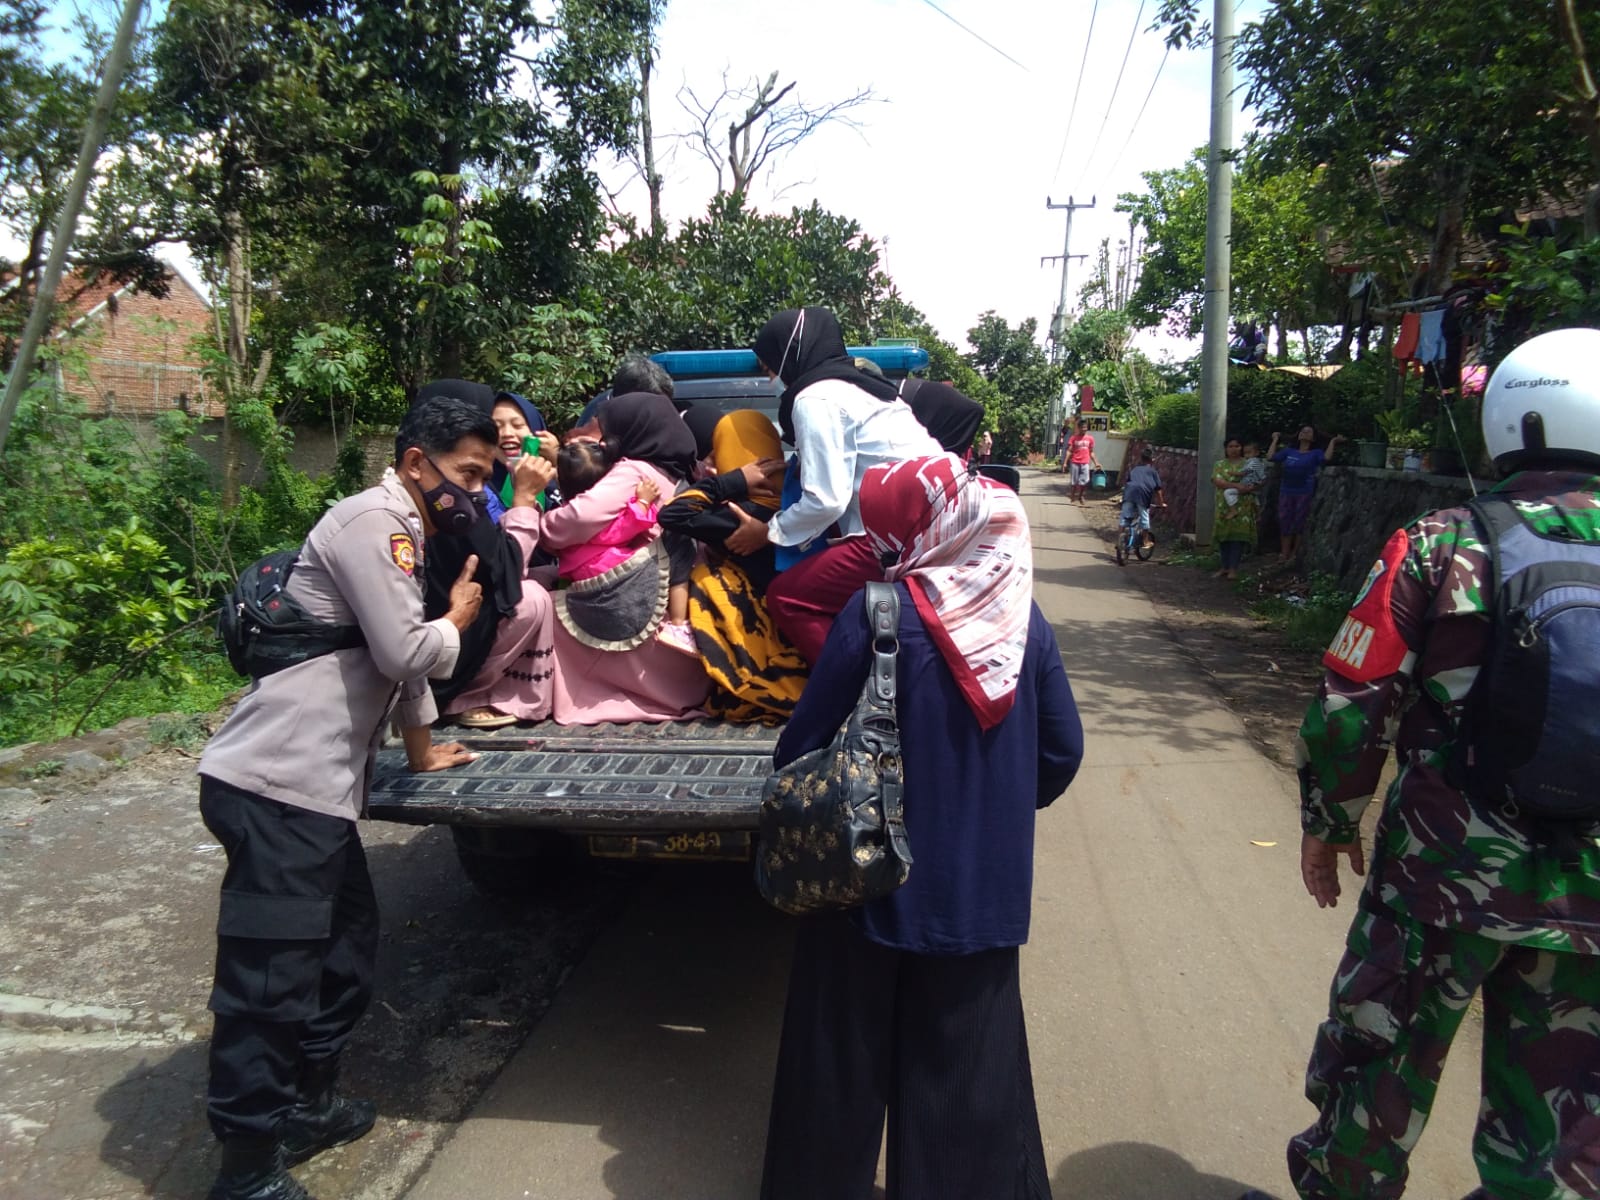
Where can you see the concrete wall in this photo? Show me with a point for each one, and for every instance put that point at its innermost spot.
(312, 451)
(1357, 508)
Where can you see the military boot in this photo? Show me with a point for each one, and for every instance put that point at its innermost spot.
(323, 1119)
(252, 1169)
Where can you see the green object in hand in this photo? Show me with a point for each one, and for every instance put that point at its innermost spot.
(530, 445)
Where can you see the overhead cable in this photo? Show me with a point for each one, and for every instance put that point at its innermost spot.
(976, 34)
(1112, 103)
(1111, 170)
(1072, 111)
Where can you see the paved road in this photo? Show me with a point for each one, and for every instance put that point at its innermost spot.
(108, 901)
(1174, 979)
(1175, 975)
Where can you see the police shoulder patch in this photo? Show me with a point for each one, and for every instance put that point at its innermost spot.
(404, 552)
(1369, 645)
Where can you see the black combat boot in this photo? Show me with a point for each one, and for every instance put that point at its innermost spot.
(252, 1169)
(322, 1119)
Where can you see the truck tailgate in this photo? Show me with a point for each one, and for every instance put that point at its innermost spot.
(678, 775)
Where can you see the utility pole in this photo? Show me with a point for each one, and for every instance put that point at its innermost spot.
(1058, 323)
(1059, 406)
(1056, 326)
(1219, 229)
(67, 219)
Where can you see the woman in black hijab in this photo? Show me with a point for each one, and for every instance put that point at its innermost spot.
(803, 346)
(841, 421)
(950, 416)
(701, 421)
(646, 427)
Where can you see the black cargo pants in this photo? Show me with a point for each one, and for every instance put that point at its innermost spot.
(297, 940)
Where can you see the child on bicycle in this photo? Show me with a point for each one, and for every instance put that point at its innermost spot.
(1142, 487)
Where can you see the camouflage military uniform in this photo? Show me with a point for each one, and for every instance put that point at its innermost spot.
(1459, 898)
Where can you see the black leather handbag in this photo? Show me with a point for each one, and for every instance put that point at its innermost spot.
(833, 831)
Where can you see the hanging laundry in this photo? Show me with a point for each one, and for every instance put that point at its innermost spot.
(1430, 336)
(1405, 347)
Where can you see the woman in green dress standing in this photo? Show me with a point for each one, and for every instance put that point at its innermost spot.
(1237, 509)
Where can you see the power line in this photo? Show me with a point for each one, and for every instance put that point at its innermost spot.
(1128, 140)
(1071, 112)
(1112, 103)
(975, 33)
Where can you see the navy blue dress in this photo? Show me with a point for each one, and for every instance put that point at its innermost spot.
(970, 796)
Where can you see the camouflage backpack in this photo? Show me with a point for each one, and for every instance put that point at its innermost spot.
(1530, 741)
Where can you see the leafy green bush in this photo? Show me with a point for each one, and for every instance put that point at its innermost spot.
(1349, 401)
(113, 545)
(69, 607)
(1543, 287)
(1175, 420)
(1262, 401)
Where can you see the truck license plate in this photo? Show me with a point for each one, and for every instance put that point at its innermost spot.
(734, 846)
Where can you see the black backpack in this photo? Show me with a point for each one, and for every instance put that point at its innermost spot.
(1530, 741)
(265, 630)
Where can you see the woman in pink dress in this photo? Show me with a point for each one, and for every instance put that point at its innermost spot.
(647, 681)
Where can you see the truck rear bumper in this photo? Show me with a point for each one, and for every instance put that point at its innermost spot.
(605, 779)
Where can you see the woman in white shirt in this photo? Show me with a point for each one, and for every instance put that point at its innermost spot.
(841, 421)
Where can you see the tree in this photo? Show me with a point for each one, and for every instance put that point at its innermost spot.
(1280, 271)
(634, 23)
(417, 174)
(1096, 351)
(1584, 107)
(488, 93)
(43, 106)
(242, 87)
(721, 276)
(1015, 363)
(762, 131)
(1447, 115)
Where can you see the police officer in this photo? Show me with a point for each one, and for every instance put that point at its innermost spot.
(283, 782)
(1465, 894)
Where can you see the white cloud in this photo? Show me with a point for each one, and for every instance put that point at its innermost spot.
(954, 168)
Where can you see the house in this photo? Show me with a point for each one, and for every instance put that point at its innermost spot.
(136, 353)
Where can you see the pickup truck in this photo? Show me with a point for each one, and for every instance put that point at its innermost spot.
(539, 796)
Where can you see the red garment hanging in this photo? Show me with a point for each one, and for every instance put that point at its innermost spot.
(1405, 346)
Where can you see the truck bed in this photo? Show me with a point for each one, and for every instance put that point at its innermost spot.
(694, 775)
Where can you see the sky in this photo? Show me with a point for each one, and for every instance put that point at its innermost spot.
(952, 169)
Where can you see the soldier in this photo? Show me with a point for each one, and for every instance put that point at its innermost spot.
(1469, 891)
(283, 782)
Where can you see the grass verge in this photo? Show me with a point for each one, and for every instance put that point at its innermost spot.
(201, 685)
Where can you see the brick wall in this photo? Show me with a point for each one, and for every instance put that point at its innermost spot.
(138, 356)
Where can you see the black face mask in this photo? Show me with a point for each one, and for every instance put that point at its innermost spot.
(452, 509)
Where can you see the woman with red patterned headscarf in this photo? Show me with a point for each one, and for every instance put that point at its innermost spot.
(911, 1004)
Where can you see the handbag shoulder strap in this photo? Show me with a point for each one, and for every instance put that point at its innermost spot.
(883, 619)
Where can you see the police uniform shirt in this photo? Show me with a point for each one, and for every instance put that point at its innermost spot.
(307, 735)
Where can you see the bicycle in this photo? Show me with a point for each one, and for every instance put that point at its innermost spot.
(1133, 538)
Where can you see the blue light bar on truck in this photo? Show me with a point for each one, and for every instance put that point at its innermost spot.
(711, 364)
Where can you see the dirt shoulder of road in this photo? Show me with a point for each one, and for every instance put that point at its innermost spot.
(1265, 679)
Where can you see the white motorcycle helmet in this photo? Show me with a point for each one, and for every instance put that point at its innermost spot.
(1543, 401)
